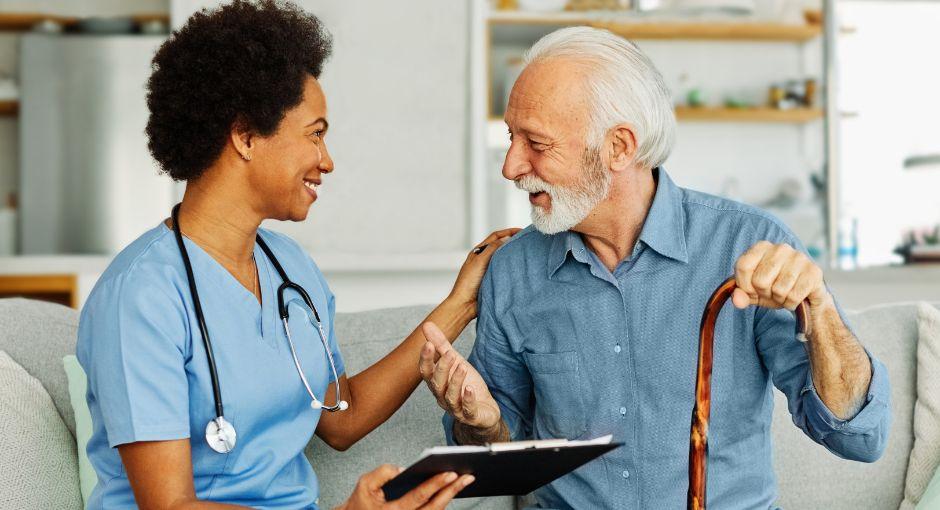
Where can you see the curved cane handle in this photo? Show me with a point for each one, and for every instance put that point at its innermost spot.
(698, 435)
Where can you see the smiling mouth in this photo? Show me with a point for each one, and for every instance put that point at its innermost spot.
(312, 187)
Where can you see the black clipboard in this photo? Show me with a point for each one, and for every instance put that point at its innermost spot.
(501, 469)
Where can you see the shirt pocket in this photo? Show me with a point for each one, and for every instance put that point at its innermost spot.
(559, 404)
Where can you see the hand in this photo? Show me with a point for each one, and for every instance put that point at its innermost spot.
(778, 276)
(459, 388)
(434, 494)
(471, 273)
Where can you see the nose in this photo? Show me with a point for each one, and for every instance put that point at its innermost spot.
(517, 162)
(326, 162)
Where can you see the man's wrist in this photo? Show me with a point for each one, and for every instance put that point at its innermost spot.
(469, 435)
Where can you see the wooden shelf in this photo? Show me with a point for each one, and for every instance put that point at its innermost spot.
(24, 22)
(9, 108)
(717, 30)
(58, 288)
(761, 114)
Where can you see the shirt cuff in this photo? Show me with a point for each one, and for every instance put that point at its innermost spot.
(867, 418)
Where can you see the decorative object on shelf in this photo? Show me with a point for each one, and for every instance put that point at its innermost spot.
(8, 226)
(542, 5)
(49, 26)
(920, 246)
(599, 5)
(695, 98)
(697, 7)
(813, 16)
(8, 88)
(102, 26)
(793, 94)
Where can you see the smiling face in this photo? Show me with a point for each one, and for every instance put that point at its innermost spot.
(288, 166)
(548, 118)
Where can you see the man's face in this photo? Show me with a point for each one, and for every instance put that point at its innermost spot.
(548, 118)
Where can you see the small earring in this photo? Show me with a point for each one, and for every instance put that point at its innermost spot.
(246, 157)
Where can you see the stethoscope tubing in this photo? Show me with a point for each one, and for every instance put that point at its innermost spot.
(223, 428)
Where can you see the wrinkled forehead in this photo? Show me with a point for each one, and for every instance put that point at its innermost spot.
(551, 94)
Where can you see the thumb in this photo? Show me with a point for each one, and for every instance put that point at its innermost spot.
(436, 337)
(740, 299)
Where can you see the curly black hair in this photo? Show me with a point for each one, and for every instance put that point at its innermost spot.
(245, 62)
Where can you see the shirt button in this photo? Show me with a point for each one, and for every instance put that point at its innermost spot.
(617, 348)
(623, 411)
(626, 474)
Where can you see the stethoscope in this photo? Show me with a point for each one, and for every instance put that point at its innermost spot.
(220, 434)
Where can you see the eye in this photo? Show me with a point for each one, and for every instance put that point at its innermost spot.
(539, 147)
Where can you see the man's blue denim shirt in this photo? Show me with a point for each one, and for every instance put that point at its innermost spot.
(571, 350)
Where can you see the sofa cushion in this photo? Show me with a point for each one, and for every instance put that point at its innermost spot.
(364, 338)
(37, 335)
(925, 454)
(810, 477)
(38, 466)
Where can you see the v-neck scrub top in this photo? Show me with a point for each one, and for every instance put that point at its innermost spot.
(148, 378)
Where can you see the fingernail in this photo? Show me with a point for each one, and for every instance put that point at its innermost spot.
(468, 480)
(450, 477)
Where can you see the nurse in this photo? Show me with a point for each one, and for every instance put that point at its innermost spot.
(236, 112)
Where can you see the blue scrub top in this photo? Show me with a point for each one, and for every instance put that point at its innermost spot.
(148, 378)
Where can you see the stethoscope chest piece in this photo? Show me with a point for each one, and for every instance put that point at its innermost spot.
(220, 434)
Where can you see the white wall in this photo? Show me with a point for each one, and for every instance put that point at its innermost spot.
(396, 92)
(9, 62)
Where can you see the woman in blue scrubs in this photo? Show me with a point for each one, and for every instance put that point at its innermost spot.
(236, 112)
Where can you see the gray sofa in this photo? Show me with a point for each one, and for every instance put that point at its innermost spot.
(37, 335)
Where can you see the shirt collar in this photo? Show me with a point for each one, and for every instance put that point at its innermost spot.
(663, 231)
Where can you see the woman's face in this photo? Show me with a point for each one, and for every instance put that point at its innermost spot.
(288, 166)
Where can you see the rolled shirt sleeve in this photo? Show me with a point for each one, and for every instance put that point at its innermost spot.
(862, 437)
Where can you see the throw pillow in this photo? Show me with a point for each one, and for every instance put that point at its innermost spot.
(38, 465)
(925, 454)
(77, 387)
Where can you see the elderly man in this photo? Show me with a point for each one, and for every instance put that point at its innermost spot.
(588, 319)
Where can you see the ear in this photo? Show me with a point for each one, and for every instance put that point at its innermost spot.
(622, 144)
(242, 139)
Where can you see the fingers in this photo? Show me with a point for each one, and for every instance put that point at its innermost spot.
(436, 337)
(426, 361)
(442, 371)
(776, 276)
(499, 235)
(455, 387)
(420, 495)
(375, 479)
(444, 496)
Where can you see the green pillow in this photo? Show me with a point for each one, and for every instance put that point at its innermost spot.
(931, 498)
(77, 387)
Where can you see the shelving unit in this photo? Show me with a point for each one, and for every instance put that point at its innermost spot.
(25, 21)
(9, 108)
(762, 114)
(749, 31)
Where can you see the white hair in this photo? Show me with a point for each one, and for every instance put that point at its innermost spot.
(625, 85)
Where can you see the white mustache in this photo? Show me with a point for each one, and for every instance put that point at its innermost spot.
(532, 184)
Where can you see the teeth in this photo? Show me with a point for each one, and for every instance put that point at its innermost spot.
(311, 185)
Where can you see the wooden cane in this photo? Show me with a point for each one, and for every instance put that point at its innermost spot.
(698, 435)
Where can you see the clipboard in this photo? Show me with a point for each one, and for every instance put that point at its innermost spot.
(501, 469)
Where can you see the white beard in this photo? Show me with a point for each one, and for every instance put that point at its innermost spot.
(570, 205)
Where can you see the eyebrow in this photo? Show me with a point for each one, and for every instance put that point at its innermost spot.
(326, 125)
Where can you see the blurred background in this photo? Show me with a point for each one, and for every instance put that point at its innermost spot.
(824, 112)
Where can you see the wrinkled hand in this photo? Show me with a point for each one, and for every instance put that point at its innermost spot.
(433, 494)
(778, 276)
(458, 387)
(467, 285)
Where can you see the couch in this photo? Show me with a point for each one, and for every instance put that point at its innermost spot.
(37, 335)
